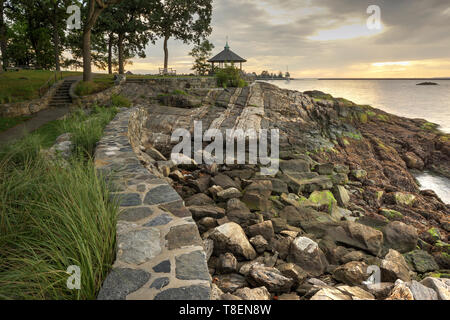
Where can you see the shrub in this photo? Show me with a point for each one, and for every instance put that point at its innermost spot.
(230, 77)
(120, 101)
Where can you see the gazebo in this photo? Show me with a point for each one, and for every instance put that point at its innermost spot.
(226, 56)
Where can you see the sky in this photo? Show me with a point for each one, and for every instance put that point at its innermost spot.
(324, 38)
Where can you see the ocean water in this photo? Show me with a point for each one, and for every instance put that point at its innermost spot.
(400, 97)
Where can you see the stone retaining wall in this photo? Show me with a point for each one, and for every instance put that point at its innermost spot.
(96, 98)
(180, 83)
(159, 250)
(30, 107)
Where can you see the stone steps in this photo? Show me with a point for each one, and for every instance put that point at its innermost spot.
(62, 97)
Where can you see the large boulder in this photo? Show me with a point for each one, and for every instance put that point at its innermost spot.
(230, 237)
(421, 292)
(421, 261)
(264, 229)
(199, 212)
(306, 253)
(400, 237)
(238, 212)
(441, 286)
(394, 267)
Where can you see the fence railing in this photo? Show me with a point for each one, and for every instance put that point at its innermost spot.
(58, 75)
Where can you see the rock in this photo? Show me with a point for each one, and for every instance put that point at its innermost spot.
(264, 229)
(229, 297)
(352, 256)
(229, 194)
(323, 199)
(253, 294)
(121, 282)
(413, 161)
(270, 278)
(293, 271)
(208, 245)
(281, 244)
(400, 237)
(421, 292)
(306, 253)
(339, 179)
(199, 212)
(231, 238)
(229, 283)
(421, 261)
(295, 165)
(380, 290)
(207, 223)
(224, 181)
(256, 201)
(356, 293)
(394, 267)
(404, 199)
(353, 273)
(341, 195)
(199, 199)
(192, 266)
(392, 215)
(259, 243)
(227, 263)
(359, 174)
(245, 268)
(330, 294)
(238, 212)
(138, 246)
(325, 169)
(440, 286)
(400, 292)
(214, 190)
(216, 293)
(289, 297)
(308, 185)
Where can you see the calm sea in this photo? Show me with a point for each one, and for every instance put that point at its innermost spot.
(400, 97)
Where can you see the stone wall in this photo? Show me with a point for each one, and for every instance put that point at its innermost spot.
(160, 254)
(30, 107)
(179, 83)
(96, 98)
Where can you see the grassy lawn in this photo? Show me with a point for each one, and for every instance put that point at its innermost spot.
(53, 216)
(140, 76)
(101, 82)
(6, 123)
(24, 85)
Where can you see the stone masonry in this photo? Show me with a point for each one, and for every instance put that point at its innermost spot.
(159, 250)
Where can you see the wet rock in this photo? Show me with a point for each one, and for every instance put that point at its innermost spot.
(259, 243)
(421, 261)
(394, 267)
(400, 237)
(264, 229)
(231, 238)
(270, 278)
(307, 254)
(227, 263)
(421, 292)
(441, 286)
(352, 273)
(413, 161)
(253, 294)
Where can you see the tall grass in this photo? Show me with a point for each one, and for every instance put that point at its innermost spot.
(53, 217)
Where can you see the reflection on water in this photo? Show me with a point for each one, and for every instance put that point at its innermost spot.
(400, 97)
(439, 184)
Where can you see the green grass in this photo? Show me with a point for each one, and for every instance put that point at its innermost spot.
(53, 216)
(120, 101)
(6, 123)
(100, 83)
(24, 85)
(139, 76)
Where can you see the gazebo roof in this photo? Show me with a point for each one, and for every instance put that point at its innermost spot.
(227, 56)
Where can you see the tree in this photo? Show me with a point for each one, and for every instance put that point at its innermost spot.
(185, 20)
(201, 53)
(94, 9)
(3, 36)
(126, 26)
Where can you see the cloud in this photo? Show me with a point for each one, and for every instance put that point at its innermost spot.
(321, 38)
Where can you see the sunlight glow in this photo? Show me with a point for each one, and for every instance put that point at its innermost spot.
(346, 32)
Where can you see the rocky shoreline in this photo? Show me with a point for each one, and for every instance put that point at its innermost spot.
(344, 203)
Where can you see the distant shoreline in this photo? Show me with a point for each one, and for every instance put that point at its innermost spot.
(412, 79)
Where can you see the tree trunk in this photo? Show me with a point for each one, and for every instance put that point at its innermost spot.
(4, 62)
(166, 54)
(120, 49)
(56, 37)
(93, 14)
(110, 47)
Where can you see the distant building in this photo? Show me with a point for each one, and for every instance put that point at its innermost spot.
(226, 57)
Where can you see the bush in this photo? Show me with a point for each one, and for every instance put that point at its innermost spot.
(230, 77)
(120, 101)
